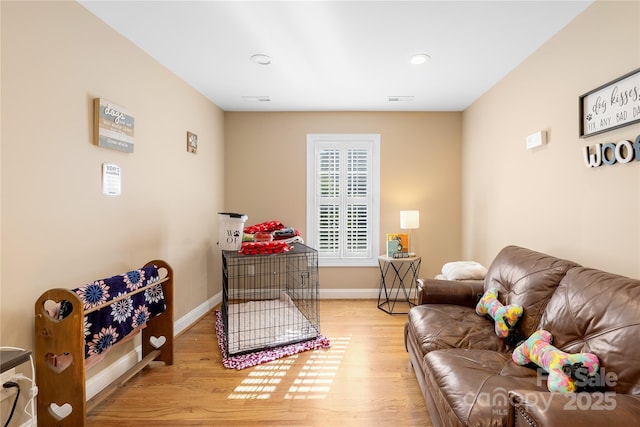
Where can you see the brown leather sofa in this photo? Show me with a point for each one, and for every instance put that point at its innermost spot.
(466, 373)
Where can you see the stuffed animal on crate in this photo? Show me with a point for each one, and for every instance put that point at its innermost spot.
(504, 316)
(566, 370)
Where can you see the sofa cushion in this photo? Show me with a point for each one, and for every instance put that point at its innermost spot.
(440, 326)
(597, 312)
(472, 386)
(575, 409)
(527, 278)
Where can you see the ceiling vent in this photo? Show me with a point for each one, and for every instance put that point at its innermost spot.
(400, 98)
(257, 98)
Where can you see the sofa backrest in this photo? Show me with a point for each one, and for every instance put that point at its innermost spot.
(528, 278)
(597, 312)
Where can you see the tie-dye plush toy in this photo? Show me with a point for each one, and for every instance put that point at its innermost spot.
(505, 316)
(561, 366)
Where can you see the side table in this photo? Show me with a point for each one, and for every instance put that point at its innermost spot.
(397, 282)
(10, 359)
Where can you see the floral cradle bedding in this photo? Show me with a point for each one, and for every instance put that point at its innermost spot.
(116, 308)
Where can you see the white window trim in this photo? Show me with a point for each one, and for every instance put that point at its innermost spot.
(313, 141)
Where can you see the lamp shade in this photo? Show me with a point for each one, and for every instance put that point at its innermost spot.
(409, 219)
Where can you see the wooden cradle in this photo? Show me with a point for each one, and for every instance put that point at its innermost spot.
(60, 351)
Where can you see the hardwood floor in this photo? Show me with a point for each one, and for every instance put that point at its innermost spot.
(364, 379)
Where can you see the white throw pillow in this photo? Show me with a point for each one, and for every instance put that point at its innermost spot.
(464, 270)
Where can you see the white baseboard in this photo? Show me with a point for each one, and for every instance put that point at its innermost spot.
(348, 293)
(190, 318)
(110, 373)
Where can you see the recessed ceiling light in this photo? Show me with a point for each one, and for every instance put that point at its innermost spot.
(419, 58)
(257, 98)
(261, 59)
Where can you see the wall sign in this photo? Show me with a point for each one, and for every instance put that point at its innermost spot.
(611, 153)
(111, 179)
(113, 126)
(192, 142)
(611, 106)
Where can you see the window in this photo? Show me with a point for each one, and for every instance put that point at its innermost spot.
(343, 202)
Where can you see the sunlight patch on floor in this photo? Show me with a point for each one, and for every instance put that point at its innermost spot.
(313, 381)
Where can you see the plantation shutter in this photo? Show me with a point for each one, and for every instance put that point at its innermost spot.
(329, 202)
(357, 202)
(342, 177)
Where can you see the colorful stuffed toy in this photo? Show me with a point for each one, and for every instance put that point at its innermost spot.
(561, 366)
(505, 316)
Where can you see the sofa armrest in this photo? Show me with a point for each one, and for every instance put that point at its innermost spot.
(433, 291)
(538, 408)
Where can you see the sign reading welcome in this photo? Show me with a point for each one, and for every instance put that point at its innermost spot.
(113, 126)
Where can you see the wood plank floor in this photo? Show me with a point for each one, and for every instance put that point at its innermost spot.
(364, 379)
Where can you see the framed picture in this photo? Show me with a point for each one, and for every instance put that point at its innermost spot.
(398, 245)
(192, 142)
(611, 106)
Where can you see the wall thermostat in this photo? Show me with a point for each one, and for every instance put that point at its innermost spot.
(536, 139)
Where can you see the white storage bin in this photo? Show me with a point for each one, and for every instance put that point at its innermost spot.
(231, 230)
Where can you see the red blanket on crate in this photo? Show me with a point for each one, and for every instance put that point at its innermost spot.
(276, 246)
(267, 226)
(264, 248)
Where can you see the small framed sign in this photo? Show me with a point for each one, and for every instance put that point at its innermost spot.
(192, 143)
(111, 179)
(113, 126)
(611, 106)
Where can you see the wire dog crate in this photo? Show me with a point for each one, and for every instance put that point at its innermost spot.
(269, 300)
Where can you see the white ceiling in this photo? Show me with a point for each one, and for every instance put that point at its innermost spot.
(339, 55)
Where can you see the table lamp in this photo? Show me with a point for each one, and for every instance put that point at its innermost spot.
(410, 220)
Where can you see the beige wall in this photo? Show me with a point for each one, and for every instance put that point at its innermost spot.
(58, 230)
(547, 199)
(420, 169)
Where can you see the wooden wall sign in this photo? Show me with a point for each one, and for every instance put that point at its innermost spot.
(113, 126)
(611, 106)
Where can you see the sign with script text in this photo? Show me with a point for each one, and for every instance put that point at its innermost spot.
(613, 105)
(113, 126)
